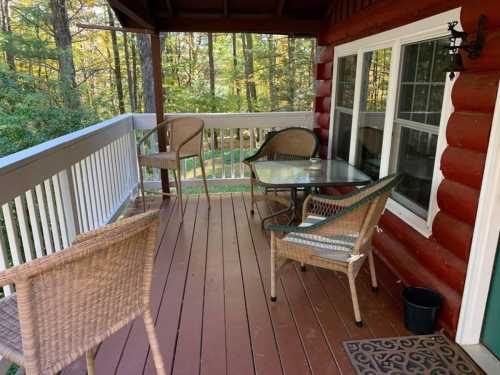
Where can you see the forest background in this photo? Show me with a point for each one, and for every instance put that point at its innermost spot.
(56, 78)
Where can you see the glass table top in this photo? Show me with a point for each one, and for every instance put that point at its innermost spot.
(304, 173)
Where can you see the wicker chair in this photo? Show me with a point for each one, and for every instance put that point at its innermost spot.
(68, 303)
(335, 234)
(185, 135)
(286, 144)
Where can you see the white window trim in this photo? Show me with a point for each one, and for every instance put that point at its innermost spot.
(428, 28)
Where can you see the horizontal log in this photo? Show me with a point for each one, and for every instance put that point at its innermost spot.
(453, 234)
(326, 54)
(323, 119)
(324, 70)
(475, 91)
(464, 166)
(472, 9)
(322, 105)
(458, 200)
(381, 16)
(489, 59)
(324, 88)
(469, 130)
(436, 258)
(412, 272)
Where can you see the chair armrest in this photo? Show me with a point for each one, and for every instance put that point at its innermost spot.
(148, 134)
(6, 278)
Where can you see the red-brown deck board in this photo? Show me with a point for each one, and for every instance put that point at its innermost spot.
(210, 298)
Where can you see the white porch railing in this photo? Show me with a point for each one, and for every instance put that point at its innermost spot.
(51, 192)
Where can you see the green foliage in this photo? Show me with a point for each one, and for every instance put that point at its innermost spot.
(30, 115)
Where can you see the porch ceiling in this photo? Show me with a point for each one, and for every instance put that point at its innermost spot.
(297, 17)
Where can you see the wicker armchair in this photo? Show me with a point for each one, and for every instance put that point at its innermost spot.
(185, 138)
(68, 303)
(286, 144)
(335, 234)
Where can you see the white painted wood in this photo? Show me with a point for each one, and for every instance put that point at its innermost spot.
(235, 120)
(242, 153)
(54, 225)
(35, 224)
(87, 195)
(24, 228)
(355, 108)
(81, 198)
(484, 243)
(333, 104)
(12, 235)
(69, 205)
(97, 190)
(484, 358)
(60, 212)
(44, 219)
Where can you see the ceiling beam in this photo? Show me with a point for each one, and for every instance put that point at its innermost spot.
(226, 8)
(263, 24)
(280, 7)
(170, 9)
(133, 14)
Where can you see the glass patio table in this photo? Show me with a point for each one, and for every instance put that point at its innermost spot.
(312, 173)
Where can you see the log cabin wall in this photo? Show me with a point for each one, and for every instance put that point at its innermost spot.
(439, 262)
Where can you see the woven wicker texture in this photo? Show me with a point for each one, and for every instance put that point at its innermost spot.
(185, 139)
(336, 233)
(10, 330)
(71, 301)
(286, 144)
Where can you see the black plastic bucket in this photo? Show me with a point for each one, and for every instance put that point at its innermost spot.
(421, 309)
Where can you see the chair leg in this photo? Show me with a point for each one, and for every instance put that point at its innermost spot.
(354, 296)
(273, 272)
(373, 275)
(153, 343)
(90, 362)
(141, 176)
(302, 267)
(252, 198)
(179, 189)
(204, 179)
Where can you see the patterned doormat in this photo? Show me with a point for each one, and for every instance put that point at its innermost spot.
(426, 354)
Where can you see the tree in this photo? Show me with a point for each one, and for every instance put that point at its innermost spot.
(130, 76)
(148, 93)
(63, 39)
(251, 91)
(7, 30)
(291, 73)
(236, 76)
(117, 68)
(272, 68)
(211, 68)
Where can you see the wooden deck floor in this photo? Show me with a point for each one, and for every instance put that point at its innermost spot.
(212, 308)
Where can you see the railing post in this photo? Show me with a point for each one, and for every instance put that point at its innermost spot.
(68, 198)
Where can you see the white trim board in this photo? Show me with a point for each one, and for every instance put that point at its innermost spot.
(484, 243)
(428, 28)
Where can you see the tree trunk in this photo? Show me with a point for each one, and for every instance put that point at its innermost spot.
(247, 43)
(211, 67)
(272, 69)
(291, 73)
(236, 83)
(148, 94)
(6, 28)
(130, 82)
(62, 36)
(117, 66)
(134, 73)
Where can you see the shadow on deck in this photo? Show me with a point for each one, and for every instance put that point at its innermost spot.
(211, 300)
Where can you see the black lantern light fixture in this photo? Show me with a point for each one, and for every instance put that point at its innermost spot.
(473, 48)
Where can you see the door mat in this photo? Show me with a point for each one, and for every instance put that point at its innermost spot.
(426, 354)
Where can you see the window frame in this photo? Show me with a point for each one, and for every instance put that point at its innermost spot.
(425, 29)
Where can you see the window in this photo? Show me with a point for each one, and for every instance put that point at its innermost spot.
(374, 84)
(416, 125)
(344, 95)
(390, 111)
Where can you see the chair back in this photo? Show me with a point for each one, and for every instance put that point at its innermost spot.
(375, 196)
(291, 143)
(71, 301)
(188, 129)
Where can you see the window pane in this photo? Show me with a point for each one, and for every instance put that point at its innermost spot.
(343, 109)
(374, 84)
(420, 100)
(416, 155)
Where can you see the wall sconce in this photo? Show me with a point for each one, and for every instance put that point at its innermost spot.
(473, 48)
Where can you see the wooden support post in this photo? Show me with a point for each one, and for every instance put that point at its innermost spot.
(158, 87)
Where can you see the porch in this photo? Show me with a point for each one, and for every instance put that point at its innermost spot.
(212, 308)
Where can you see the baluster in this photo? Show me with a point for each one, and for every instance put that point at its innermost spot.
(24, 228)
(7, 289)
(52, 215)
(44, 219)
(231, 135)
(12, 236)
(89, 192)
(81, 198)
(69, 204)
(35, 223)
(242, 154)
(222, 153)
(212, 144)
(97, 189)
(60, 212)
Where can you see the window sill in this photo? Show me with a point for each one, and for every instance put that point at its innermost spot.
(414, 221)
